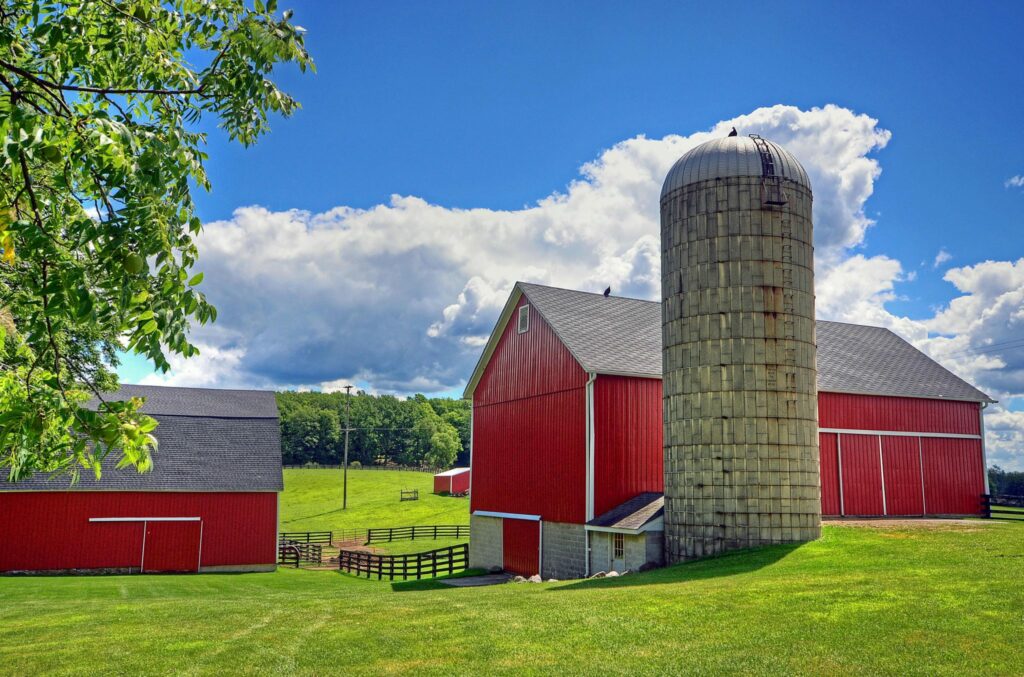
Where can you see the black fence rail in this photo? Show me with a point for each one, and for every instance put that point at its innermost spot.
(440, 562)
(409, 495)
(325, 537)
(295, 553)
(434, 532)
(1002, 507)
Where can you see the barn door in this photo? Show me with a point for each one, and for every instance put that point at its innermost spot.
(520, 540)
(172, 546)
(901, 464)
(861, 468)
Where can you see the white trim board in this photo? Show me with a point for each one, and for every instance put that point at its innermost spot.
(897, 433)
(145, 519)
(506, 515)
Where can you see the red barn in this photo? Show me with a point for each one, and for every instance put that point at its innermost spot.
(454, 481)
(567, 431)
(209, 504)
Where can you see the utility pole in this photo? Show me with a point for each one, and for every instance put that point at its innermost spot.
(348, 411)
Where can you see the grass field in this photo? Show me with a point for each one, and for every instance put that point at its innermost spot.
(312, 501)
(859, 601)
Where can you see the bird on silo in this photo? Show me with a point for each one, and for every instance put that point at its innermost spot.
(733, 132)
(607, 292)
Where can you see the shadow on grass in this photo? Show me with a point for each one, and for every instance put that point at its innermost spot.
(729, 564)
(433, 583)
(309, 517)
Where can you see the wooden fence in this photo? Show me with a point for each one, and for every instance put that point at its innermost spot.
(419, 565)
(409, 495)
(295, 553)
(1002, 506)
(326, 537)
(388, 534)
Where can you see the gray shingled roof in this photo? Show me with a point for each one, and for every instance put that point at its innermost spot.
(617, 335)
(208, 440)
(634, 513)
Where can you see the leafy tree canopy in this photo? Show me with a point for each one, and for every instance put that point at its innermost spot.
(99, 106)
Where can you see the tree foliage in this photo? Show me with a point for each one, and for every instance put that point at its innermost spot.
(100, 102)
(1005, 482)
(413, 432)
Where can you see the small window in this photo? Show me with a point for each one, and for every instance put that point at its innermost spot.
(618, 546)
(524, 319)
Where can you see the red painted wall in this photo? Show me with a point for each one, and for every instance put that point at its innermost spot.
(862, 475)
(460, 483)
(453, 484)
(902, 465)
(827, 446)
(953, 476)
(529, 427)
(50, 530)
(901, 414)
(628, 452)
(520, 540)
(529, 364)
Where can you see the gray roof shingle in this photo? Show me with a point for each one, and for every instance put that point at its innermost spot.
(618, 335)
(634, 513)
(208, 440)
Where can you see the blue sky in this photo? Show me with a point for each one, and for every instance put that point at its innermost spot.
(495, 109)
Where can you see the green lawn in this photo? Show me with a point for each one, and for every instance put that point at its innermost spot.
(860, 601)
(312, 501)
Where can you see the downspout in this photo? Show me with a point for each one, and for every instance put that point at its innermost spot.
(590, 470)
(984, 453)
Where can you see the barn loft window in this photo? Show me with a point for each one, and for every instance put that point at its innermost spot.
(524, 319)
(618, 546)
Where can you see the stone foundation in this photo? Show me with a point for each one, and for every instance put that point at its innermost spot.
(485, 538)
(563, 550)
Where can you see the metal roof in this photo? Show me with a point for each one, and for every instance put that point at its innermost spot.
(234, 446)
(634, 513)
(452, 472)
(731, 156)
(614, 335)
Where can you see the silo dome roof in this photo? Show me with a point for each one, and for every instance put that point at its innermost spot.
(731, 156)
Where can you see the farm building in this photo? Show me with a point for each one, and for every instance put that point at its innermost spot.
(454, 481)
(567, 445)
(209, 504)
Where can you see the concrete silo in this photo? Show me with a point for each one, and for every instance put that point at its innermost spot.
(740, 400)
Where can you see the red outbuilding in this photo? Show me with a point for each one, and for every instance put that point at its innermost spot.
(454, 481)
(209, 504)
(567, 453)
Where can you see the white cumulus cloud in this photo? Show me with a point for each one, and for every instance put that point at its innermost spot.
(1015, 182)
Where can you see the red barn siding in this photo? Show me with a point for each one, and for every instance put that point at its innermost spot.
(953, 476)
(520, 542)
(529, 427)
(862, 475)
(49, 530)
(829, 474)
(628, 451)
(528, 364)
(172, 546)
(899, 414)
(529, 456)
(460, 483)
(902, 465)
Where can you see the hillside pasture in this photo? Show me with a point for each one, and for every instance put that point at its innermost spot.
(860, 601)
(312, 500)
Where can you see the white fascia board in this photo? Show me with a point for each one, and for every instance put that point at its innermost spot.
(506, 515)
(145, 519)
(897, 433)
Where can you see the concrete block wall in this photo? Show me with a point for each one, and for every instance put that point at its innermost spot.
(485, 542)
(740, 390)
(639, 549)
(563, 550)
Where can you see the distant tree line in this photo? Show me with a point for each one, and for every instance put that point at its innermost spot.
(385, 430)
(1005, 482)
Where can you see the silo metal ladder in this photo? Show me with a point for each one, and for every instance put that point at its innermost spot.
(772, 193)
